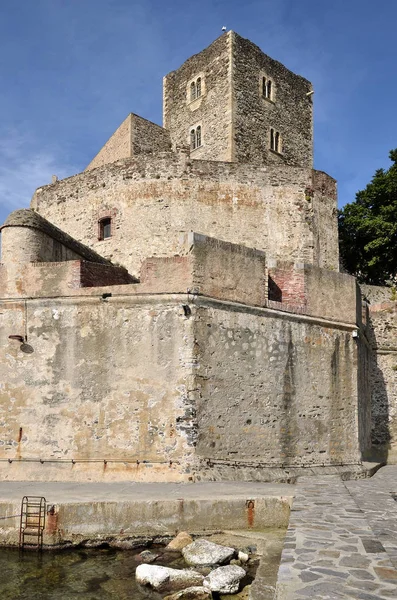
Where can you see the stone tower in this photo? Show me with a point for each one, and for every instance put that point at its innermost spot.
(231, 102)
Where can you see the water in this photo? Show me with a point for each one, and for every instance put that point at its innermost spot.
(69, 574)
(101, 574)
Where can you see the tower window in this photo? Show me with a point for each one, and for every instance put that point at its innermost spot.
(105, 228)
(193, 91)
(195, 138)
(195, 88)
(275, 141)
(267, 88)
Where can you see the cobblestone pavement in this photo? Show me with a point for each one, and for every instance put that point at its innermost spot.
(341, 540)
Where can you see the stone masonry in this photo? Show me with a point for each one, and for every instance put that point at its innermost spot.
(132, 348)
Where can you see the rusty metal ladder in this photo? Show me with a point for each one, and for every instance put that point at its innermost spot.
(33, 510)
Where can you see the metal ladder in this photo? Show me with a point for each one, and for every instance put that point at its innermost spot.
(33, 509)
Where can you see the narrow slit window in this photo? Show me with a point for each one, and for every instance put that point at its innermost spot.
(267, 88)
(198, 137)
(198, 87)
(193, 91)
(192, 139)
(105, 228)
(275, 141)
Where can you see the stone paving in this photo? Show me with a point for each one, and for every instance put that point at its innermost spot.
(341, 540)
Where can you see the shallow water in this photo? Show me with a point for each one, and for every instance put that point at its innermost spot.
(100, 573)
(70, 574)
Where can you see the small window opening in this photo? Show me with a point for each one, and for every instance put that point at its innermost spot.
(275, 143)
(198, 137)
(193, 91)
(105, 228)
(267, 88)
(195, 138)
(192, 139)
(198, 87)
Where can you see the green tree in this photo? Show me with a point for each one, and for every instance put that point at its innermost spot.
(368, 229)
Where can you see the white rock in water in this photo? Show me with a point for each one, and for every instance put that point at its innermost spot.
(165, 579)
(225, 580)
(243, 556)
(204, 552)
(191, 593)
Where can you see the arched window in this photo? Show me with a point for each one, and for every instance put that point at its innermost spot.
(267, 88)
(198, 136)
(198, 87)
(192, 139)
(275, 141)
(195, 137)
(193, 90)
(105, 228)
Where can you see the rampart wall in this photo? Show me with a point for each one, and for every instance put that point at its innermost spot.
(152, 200)
(187, 368)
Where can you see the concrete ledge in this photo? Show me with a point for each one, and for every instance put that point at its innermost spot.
(93, 513)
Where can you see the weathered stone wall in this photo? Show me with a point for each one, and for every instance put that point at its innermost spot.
(382, 332)
(274, 390)
(118, 146)
(324, 201)
(105, 380)
(153, 199)
(147, 137)
(28, 237)
(212, 110)
(289, 111)
(135, 135)
(22, 244)
(307, 289)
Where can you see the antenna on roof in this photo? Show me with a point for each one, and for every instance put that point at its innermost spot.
(224, 28)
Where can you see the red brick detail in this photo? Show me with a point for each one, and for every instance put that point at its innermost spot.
(97, 275)
(287, 286)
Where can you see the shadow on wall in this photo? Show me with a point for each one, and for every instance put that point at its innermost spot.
(380, 405)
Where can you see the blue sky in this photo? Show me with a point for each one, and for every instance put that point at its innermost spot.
(71, 71)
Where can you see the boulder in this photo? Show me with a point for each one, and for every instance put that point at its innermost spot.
(224, 580)
(204, 552)
(180, 541)
(148, 557)
(191, 593)
(243, 595)
(164, 579)
(243, 556)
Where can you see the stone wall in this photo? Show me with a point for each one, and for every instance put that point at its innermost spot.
(28, 237)
(153, 199)
(94, 379)
(382, 332)
(104, 380)
(147, 137)
(212, 110)
(118, 146)
(288, 111)
(306, 289)
(323, 198)
(274, 390)
(135, 135)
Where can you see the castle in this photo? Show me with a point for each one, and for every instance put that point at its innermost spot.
(176, 312)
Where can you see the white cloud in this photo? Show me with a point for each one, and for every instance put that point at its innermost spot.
(23, 168)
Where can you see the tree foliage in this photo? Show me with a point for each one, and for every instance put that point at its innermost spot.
(368, 229)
